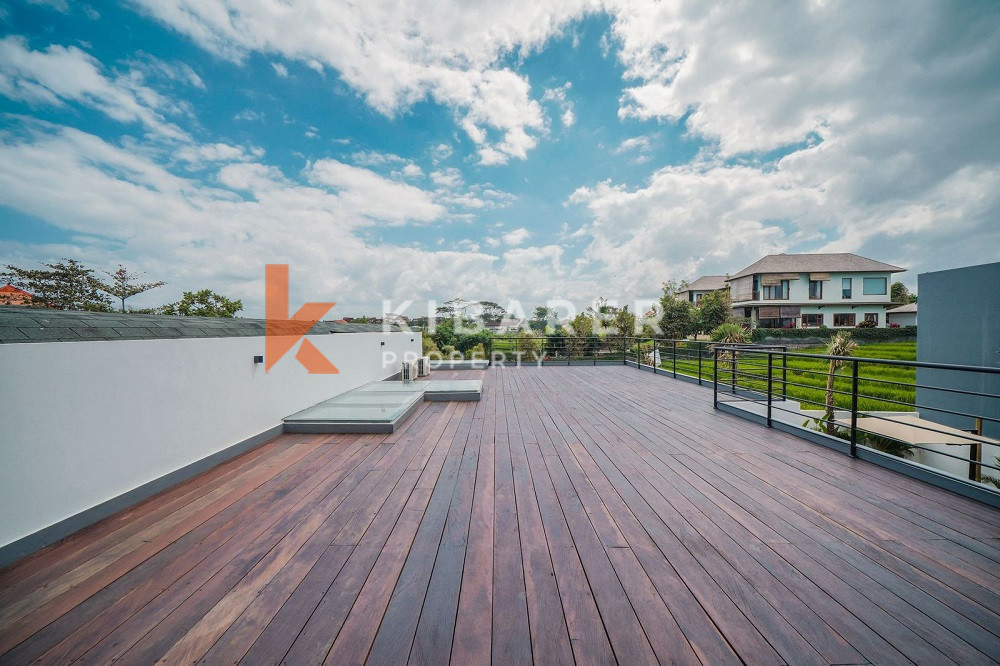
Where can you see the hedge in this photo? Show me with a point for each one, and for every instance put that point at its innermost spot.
(861, 334)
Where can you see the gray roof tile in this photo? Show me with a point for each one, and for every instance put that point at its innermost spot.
(843, 262)
(21, 324)
(12, 334)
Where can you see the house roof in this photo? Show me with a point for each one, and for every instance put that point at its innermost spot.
(11, 289)
(903, 309)
(707, 283)
(841, 262)
(44, 325)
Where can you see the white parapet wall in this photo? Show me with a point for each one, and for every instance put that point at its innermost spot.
(83, 423)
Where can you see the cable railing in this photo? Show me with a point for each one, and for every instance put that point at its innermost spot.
(863, 403)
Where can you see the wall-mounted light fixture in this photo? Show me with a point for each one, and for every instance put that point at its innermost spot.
(258, 360)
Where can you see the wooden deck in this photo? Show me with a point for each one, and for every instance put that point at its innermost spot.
(574, 514)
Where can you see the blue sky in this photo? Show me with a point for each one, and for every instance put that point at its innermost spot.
(566, 152)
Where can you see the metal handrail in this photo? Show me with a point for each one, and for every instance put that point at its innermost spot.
(755, 393)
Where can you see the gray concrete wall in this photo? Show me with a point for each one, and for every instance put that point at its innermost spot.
(960, 323)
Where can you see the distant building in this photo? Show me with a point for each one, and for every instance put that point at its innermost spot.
(904, 315)
(511, 325)
(706, 284)
(11, 295)
(812, 290)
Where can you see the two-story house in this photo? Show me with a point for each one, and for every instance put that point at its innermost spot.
(813, 290)
(706, 284)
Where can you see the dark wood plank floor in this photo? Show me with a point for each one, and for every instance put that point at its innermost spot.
(575, 514)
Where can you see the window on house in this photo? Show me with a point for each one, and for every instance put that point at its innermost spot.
(756, 287)
(872, 316)
(873, 286)
(812, 320)
(776, 292)
(815, 289)
(776, 322)
(845, 285)
(844, 319)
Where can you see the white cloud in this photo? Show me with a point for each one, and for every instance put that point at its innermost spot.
(375, 158)
(280, 69)
(412, 171)
(373, 196)
(398, 55)
(218, 152)
(249, 115)
(452, 191)
(220, 236)
(517, 236)
(640, 143)
(888, 116)
(60, 75)
(61, 6)
(559, 96)
(450, 178)
(689, 220)
(441, 152)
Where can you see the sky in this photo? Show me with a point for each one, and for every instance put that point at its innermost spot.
(513, 152)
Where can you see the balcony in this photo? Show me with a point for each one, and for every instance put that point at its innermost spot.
(575, 513)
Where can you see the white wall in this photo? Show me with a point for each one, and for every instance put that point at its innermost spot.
(84, 422)
(832, 291)
(903, 318)
(859, 312)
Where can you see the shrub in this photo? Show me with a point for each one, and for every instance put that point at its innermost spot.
(428, 346)
(861, 334)
(729, 333)
(867, 323)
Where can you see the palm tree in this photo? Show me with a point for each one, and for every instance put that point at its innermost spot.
(841, 344)
(730, 334)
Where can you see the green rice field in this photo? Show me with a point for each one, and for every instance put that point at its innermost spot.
(880, 387)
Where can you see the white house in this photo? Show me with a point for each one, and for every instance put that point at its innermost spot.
(706, 284)
(812, 290)
(904, 315)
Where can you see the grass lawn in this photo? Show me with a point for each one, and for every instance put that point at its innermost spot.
(807, 377)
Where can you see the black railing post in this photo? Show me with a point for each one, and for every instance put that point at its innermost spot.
(701, 348)
(784, 374)
(673, 344)
(715, 378)
(854, 409)
(770, 374)
(732, 370)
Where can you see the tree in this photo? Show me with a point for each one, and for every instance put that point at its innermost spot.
(428, 347)
(66, 285)
(730, 333)
(582, 328)
(123, 284)
(493, 314)
(677, 320)
(582, 325)
(898, 293)
(624, 322)
(673, 287)
(204, 303)
(714, 309)
(544, 319)
(840, 345)
(444, 334)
